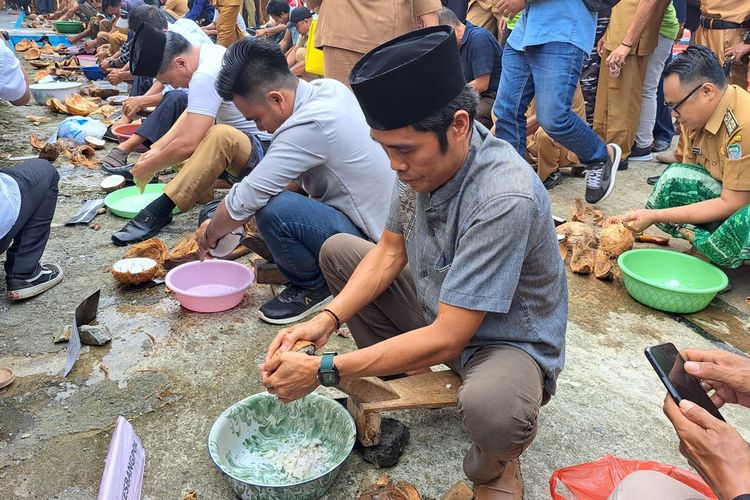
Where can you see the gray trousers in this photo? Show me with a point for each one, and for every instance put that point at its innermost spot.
(26, 240)
(502, 389)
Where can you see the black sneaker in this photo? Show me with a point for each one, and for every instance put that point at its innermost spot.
(294, 303)
(641, 154)
(20, 289)
(600, 177)
(552, 180)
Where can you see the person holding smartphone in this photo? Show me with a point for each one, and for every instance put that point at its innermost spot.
(714, 448)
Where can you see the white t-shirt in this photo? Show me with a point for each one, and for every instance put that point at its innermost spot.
(190, 30)
(12, 82)
(10, 202)
(204, 100)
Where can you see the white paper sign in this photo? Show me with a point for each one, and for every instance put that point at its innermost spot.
(123, 470)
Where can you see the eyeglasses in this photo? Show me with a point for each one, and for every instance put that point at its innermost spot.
(682, 101)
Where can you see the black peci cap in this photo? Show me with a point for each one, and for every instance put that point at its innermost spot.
(147, 51)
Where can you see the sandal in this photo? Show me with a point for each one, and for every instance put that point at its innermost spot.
(115, 159)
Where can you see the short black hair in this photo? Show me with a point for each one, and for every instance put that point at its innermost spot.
(252, 67)
(448, 17)
(277, 7)
(147, 14)
(440, 121)
(698, 63)
(176, 45)
(106, 4)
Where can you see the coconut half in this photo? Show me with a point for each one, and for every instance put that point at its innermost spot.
(112, 183)
(94, 142)
(134, 271)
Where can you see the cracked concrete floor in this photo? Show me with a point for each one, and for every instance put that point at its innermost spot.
(172, 372)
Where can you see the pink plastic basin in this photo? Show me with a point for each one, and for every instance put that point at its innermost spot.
(86, 60)
(211, 285)
(123, 133)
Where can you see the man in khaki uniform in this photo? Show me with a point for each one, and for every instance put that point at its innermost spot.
(705, 199)
(485, 13)
(227, 30)
(723, 25)
(630, 39)
(347, 30)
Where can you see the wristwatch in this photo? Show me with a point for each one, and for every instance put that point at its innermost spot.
(328, 374)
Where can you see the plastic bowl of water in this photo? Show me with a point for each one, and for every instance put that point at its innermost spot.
(211, 285)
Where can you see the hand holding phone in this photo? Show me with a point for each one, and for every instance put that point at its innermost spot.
(669, 365)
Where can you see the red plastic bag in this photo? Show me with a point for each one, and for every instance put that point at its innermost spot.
(596, 480)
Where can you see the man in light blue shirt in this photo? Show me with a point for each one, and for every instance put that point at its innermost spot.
(543, 57)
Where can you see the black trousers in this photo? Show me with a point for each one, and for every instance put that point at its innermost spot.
(26, 240)
(158, 123)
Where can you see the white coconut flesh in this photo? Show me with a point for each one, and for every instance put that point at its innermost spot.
(112, 182)
(136, 265)
(94, 142)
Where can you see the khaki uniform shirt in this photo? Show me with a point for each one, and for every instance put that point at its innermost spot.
(622, 16)
(722, 146)
(733, 11)
(361, 26)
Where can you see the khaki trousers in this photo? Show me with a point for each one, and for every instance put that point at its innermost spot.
(720, 40)
(227, 31)
(502, 390)
(338, 63)
(550, 154)
(223, 148)
(249, 7)
(115, 39)
(653, 485)
(618, 102)
(481, 16)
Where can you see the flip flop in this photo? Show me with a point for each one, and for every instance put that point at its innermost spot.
(7, 376)
(114, 159)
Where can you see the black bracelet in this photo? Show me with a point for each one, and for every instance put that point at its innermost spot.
(336, 319)
(626, 44)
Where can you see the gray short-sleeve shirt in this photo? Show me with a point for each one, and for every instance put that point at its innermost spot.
(485, 241)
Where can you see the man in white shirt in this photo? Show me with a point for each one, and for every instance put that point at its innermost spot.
(29, 196)
(194, 141)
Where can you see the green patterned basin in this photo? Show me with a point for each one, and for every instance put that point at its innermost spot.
(670, 281)
(248, 432)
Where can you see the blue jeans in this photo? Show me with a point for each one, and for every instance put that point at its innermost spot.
(294, 228)
(551, 72)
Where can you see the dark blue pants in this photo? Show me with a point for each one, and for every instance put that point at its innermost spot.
(141, 84)
(158, 123)
(26, 240)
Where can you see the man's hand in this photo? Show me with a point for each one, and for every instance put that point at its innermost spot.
(132, 106)
(639, 220)
(738, 51)
(73, 39)
(617, 57)
(205, 242)
(317, 330)
(290, 375)
(714, 448)
(89, 46)
(509, 8)
(116, 76)
(727, 373)
(141, 175)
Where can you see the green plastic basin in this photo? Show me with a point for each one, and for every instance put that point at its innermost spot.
(127, 202)
(670, 281)
(71, 27)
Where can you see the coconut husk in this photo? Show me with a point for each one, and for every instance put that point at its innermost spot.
(385, 489)
(582, 260)
(84, 156)
(135, 278)
(60, 47)
(50, 152)
(36, 142)
(24, 45)
(103, 93)
(40, 75)
(47, 48)
(616, 239)
(63, 74)
(79, 105)
(106, 111)
(577, 234)
(37, 119)
(152, 248)
(603, 265)
(57, 106)
(39, 64)
(32, 54)
(186, 250)
(582, 213)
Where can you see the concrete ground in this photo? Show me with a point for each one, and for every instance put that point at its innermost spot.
(171, 372)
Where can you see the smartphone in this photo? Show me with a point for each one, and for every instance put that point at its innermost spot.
(669, 365)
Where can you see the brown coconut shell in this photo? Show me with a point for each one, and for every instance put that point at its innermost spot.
(24, 45)
(103, 93)
(57, 106)
(577, 234)
(40, 75)
(84, 156)
(79, 105)
(134, 278)
(385, 489)
(36, 142)
(603, 265)
(32, 54)
(152, 248)
(582, 213)
(39, 63)
(582, 260)
(50, 152)
(615, 239)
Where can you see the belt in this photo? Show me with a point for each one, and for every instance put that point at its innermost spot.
(718, 24)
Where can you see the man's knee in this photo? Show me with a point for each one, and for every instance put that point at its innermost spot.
(174, 98)
(339, 256)
(276, 209)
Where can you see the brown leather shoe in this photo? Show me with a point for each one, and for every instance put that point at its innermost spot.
(509, 486)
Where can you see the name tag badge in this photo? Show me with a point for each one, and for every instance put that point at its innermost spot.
(734, 152)
(730, 122)
(695, 151)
